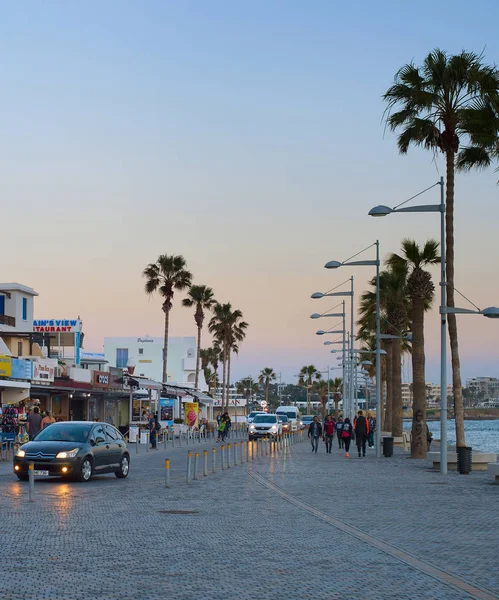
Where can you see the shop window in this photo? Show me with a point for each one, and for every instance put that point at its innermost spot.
(190, 353)
(25, 309)
(2, 305)
(121, 357)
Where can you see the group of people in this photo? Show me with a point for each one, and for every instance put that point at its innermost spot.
(223, 426)
(36, 422)
(362, 431)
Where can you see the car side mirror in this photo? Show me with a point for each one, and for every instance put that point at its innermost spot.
(99, 440)
(92, 442)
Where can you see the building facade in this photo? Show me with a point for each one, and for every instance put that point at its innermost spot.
(146, 353)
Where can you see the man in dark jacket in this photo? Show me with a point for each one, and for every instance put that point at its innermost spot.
(361, 431)
(315, 432)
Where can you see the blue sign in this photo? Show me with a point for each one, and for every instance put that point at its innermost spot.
(166, 410)
(21, 369)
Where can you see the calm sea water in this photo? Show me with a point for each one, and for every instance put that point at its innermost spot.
(480, 435)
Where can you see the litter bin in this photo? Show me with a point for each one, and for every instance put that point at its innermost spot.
(387, 446)
(464, 456)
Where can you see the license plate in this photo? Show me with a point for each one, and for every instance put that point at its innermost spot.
(41, 473)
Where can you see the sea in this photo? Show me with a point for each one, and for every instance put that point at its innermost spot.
(480, 435)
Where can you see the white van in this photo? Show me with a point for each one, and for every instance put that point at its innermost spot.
(292, 413)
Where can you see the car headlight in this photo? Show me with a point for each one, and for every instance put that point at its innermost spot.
(273, 428)
(68, 453)
(21, 453)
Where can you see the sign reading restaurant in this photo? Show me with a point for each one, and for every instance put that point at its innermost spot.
(57, 325)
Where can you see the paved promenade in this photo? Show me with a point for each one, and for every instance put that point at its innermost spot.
(293, 526)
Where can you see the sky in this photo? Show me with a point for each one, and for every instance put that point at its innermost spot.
(246, 136)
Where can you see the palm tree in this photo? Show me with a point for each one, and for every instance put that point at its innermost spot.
(227, 327)
(203, 299)
(266, 377)
(336, 388)
(322, 388)
(306, 375)
(421, 291)
(167, 275)
(449, 104)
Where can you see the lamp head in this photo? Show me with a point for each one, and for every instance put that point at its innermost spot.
(332, 264)
(315, 316)
(317, 295)
(380, 211)
(492, 312)
(320, 332)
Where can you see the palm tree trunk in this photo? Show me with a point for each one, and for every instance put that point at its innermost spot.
(457, 387)
(228, 377)
(418, 440)
(267, 383)
(336, 410)
(165, 345)
(198, 354)
(224, 372)
(397, 421)
(389, 387)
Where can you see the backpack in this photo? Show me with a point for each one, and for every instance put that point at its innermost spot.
(157, 426)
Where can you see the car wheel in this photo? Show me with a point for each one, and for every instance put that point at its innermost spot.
(85, 470)
(124, 467)
(22, 477)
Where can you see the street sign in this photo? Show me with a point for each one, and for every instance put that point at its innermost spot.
(263, 403)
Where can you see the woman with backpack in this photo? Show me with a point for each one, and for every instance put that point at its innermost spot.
(346, 435)
(339, 429)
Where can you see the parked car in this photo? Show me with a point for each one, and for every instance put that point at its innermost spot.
(76, 450)
(252, 415)
(293, 415)
(264, 425)
(306, 420)
(285, 422)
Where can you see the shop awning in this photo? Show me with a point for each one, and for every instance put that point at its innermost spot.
(202, 398)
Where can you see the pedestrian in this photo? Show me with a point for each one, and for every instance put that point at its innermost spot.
(329, 433)
(372, 428)
(228, 424)
(314, 433)
(152, 431)
(47, 420)
(221, 429)
(339, 431)
(429, 436)
(361, 428)
(346, 435)
(34, 424)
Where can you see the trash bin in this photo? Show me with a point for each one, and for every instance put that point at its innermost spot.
(388, 446)
(464, 456)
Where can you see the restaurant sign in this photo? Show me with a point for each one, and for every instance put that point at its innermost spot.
(57, 325)
(101, 379)
(43, 371)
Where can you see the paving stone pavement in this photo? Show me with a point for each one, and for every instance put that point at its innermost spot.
(110, 539)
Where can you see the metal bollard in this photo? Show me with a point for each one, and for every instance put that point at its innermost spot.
(147, 446)
(213, 460)
(167, 473)
(173, 440)
(227, 464)
(205, 463)
(252, 446)
(164, 441)
(137, 444)
(189, 459)
(196, 458)
(235, 453)
(31, 479)
(266, 447)
(223, 457)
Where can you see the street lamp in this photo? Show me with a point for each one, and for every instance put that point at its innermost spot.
(333, 264)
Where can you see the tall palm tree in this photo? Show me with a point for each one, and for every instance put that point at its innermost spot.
(449, 104)
(227, 327)
(322, 388)
(167, 275)
(421, 290)
(336, 387)
(266, 377)
(202, 298)
(306, 376)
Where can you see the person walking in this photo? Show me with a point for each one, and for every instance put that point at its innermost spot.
(372, 428)
(339, 430)
(429, 436)
(346, 435)
(221, 429)
(315, 432)
(34, 423)
(47, 420)
(361, 428)
(329, 428)
(228, 424)
(152, 431)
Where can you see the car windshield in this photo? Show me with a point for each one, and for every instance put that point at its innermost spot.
(64, 432)
(283, 418)
(252, 414)
(265, 419)
(306, 419)
(290, 415)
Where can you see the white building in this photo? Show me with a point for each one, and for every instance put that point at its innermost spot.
(16, 307)
(147, 353)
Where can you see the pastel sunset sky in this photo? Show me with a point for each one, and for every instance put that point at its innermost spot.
(246, 136)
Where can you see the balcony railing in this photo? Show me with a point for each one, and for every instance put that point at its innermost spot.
(6, 320)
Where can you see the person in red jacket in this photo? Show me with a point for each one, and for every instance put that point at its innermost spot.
(329, 428)
(361, 432)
